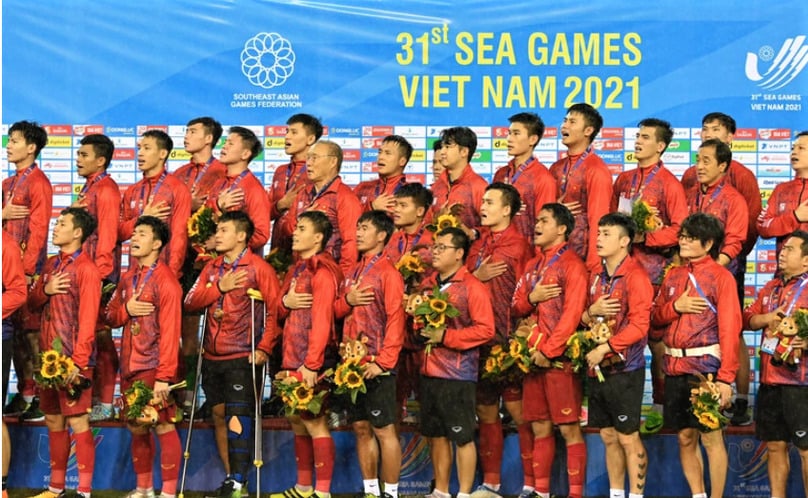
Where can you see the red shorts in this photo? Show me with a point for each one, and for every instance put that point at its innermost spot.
(56, 402)
(166, 411)
(552, 394)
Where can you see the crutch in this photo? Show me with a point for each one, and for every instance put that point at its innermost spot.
(258, 390)
(186, 455)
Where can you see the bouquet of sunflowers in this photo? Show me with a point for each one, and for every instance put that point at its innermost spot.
(645, 217)
(280, 261)
(54, 370)
(412, 267)
(201, 225)
(349, 377)
(705, 400)
(578, 346)
(296, 395)
(139, 406)
(432, 312)
(447, 217)
(500, 362)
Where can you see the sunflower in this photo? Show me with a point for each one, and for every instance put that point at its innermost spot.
(49, 370)
(66, 363)
(709, 420)
(304, 394)
(353, 380)
(193, 226)
(515, 348)
(496, 350)
(575, 349)
(414, 264)
(436, 322)
(446, 221)
(50, 356)
(437, 305)
(339, 375)
(523, 366)
(491, 364)
(131, 398)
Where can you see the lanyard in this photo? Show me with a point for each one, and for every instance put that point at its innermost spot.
(800, 288)
(710, 200)
(152, 193)
(547, 266)
(366, 268)
(200, 173)
(511, 179)
(378, 190)
(484, 248)
(232, 268)
(19, 179)
(88, 185)
(570, 170)
(605, 281)
(701, 292)
(64, 263)
(135, 289)
(403, 239)
(289, 175)
(319, 194)
(636, 195)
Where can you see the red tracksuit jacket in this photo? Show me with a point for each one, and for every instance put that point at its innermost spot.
(779, 219)
(255, 204)
(102, 198)
(32, 189)
(286, 178)
(467, 191)
(536, 187)
(368, 191)
(200, 178)
(15, 290)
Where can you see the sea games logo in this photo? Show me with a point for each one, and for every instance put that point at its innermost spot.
(267, 61)
(779, 69)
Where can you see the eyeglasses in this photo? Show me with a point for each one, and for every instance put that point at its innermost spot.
(316, 157)
(687, 238)
(442, 247)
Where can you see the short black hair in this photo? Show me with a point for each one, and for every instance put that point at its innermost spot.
(211, 127)
(404, 146)
(462, 136)
(159, 229)
(591, 117)
(622, 220)
(32, 133)
(726, 120)
(321, 224)
(459, 239)
(803, 133)
(241, 220)
(803, 236)
(531, 121)
(380, 220)
(164, 141)
(662, 129)
(102, 146)
(82, 219)
(562, 216)
(510, 196)
(704, 228)
(312, 125)
(723, 153)
(251, 141)
(421, 195)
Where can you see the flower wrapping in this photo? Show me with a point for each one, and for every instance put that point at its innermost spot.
(705, 401)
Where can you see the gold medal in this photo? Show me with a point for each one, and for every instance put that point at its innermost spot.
(218, 314)
(135, 328)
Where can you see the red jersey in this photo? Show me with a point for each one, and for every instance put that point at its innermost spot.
(467, 191)
(745, 182)
(162, 188)
(71, 316)
(402, 242)
(102, 198)
(585, 179)
(381, 321)
(32, 189)
(557, 318)
(368, 191)
(341, 206)
(307, 332)
(458, 356)
(287, 177)
(255, 204)
(720, 324)
(725, 203)
(779, 219)
(776, 293)
(200, 178)
(228, 327)
(536, 187)
(508, 246)
(149, 342)
(658, 187)
(15, 289)
(631, 286)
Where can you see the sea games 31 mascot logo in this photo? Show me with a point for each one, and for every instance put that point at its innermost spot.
(267, 60)
(785, 64)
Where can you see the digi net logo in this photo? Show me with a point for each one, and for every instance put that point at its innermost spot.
(782, 66)
(267, 60)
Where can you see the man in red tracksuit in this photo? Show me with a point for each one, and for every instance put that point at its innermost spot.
(450, 364)
(459, 184)
(497, 259)
(203, 171)
(101, 196)
(698, 305)
(717, 125)
(370, 302)
(302, 131)
(148, 305)
(27, 203)
(553, 289)
(394, 154)
(306, 303)
(583, 180)
(530, 177)
(69, 293)
(331, 196)
(654, 184)
(240, 190)
(413, 202)
(221, 291)
(158, 194)
(787, 209)
(780, 415)
(620, 297)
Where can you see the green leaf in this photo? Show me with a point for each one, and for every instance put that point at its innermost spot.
(57, 345)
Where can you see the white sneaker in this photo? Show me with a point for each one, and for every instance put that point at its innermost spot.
(140, 493)
(484, 491)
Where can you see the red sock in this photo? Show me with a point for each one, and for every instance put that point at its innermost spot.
(526, 451)
(106, 367)
(170, 455)
(491, 443)
(143, 459)
(85, 459)
(543, 454)
(304, 458)
(576, 468)
(324, 452)
(59, 444)
(28, 387)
